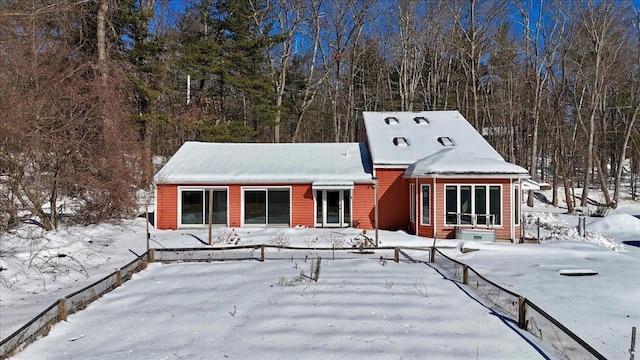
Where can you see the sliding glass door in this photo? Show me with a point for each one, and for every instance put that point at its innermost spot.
(267, 207)
(194, 206)
(333, 208)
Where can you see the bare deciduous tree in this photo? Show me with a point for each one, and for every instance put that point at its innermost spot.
(55, 141)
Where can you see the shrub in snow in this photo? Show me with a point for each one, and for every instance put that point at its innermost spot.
(227, 237)
(556, 229)
(311, 242)
(337, 241)
(280, 240)
(421, 287)
(388, 284)
(285, 281)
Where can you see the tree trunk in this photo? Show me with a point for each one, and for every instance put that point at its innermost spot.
(556, 169)
(588, 167)
(623, 155)
(101, 34)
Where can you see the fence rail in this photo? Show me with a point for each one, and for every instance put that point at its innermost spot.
(40, 325)
(529, 316)
(270, 252)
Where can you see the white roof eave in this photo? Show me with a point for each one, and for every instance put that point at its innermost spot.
(486, 175)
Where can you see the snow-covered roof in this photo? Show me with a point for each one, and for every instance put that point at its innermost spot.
(529, 184)
(455, 161)
(402, 138)
(225, 163)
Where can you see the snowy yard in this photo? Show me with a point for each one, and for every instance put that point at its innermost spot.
(358, 308)
(240, 310)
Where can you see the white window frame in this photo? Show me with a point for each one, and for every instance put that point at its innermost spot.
(473, 205)
(203, 189)
(343, 199)
(266, 189)
(422, 187)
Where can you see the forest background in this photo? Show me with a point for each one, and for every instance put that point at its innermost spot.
(92, 90)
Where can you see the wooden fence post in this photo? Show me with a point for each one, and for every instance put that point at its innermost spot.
(432, 255)
(262, 252)
(632, 349)
(151, 255)
(62, 309)
(396, 254)
(118, 278)
(522, 313)
(465, 274)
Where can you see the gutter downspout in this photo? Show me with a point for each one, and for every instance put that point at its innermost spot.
(415, 208)
(375, 208)
(512, 226)
(155, 211)
(435, 218)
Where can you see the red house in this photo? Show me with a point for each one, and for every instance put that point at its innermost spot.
(430, 173)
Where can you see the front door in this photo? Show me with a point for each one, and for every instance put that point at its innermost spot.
(333, 208)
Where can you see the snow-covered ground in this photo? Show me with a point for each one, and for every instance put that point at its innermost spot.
(244, 310)
(358, 308)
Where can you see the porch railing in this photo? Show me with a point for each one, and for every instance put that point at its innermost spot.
(472, 219)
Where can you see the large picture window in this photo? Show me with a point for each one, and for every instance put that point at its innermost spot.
(473, 205)
(267, 207)
(194, 206)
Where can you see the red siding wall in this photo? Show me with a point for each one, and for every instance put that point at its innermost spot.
(166, 207)
(393, 202)
(362, 209)
(503, 231)
(393, 199)
(232, 206)
(302, 205)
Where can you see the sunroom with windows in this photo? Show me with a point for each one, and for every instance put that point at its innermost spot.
(454, 189)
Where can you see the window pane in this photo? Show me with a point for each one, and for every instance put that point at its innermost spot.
(220, 207)
(279, 207)
(333, 207)
(319, 207)
(481, 204)
(494, 203)
(347, 207)
(412, 202)
(465, 204)
(255, 207)
(451, 204)
(426, 213)
(192, 207)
